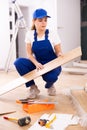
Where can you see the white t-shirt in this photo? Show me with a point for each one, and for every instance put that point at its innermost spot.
(53, 37)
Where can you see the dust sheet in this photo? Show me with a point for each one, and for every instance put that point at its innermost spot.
(60, 123)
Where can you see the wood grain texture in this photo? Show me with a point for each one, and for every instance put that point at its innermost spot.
(64, 105)
(72, 54)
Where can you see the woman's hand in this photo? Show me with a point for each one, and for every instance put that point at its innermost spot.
(39, 66)
(58, 50)
(60, 54)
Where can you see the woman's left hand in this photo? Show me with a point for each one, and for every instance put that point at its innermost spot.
(60, 54)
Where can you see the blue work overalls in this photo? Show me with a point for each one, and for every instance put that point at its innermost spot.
(44, 53)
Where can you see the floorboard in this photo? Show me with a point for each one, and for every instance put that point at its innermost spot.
(8, 100)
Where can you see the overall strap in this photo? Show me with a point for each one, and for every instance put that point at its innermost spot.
(46, 35)
(35, 35)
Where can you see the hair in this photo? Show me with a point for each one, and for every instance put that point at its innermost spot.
(33, 25)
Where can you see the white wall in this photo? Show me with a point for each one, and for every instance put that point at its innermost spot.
(21, 33)
(69, 23)
(4, 32)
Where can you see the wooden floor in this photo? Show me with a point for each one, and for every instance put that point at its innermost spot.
(8, 100)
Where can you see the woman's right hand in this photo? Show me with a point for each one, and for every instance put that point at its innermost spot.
(39, 66)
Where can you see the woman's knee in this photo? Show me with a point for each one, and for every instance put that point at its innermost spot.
(24, 63)
(50, 77)
(18, 62)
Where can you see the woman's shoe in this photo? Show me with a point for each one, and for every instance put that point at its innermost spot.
(33, 92)
(52, 91)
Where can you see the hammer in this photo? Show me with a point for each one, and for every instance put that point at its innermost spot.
(21, 122)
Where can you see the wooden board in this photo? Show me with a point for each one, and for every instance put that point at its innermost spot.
(7, 109)
(74, 70)
(79, 64)
(74, 53)
(81, 96)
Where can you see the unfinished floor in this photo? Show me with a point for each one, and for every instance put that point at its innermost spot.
(8, 100)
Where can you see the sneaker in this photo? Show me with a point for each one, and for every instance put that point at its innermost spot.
(33, 92)
(52, 91)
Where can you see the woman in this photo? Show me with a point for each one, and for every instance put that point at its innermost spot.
(42, 46)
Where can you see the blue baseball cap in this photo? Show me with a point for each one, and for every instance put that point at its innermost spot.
(40, 13)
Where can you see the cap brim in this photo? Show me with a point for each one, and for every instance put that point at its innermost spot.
(43, 17)
(48, 16)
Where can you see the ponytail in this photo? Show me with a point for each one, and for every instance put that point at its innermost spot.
(33, 25)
